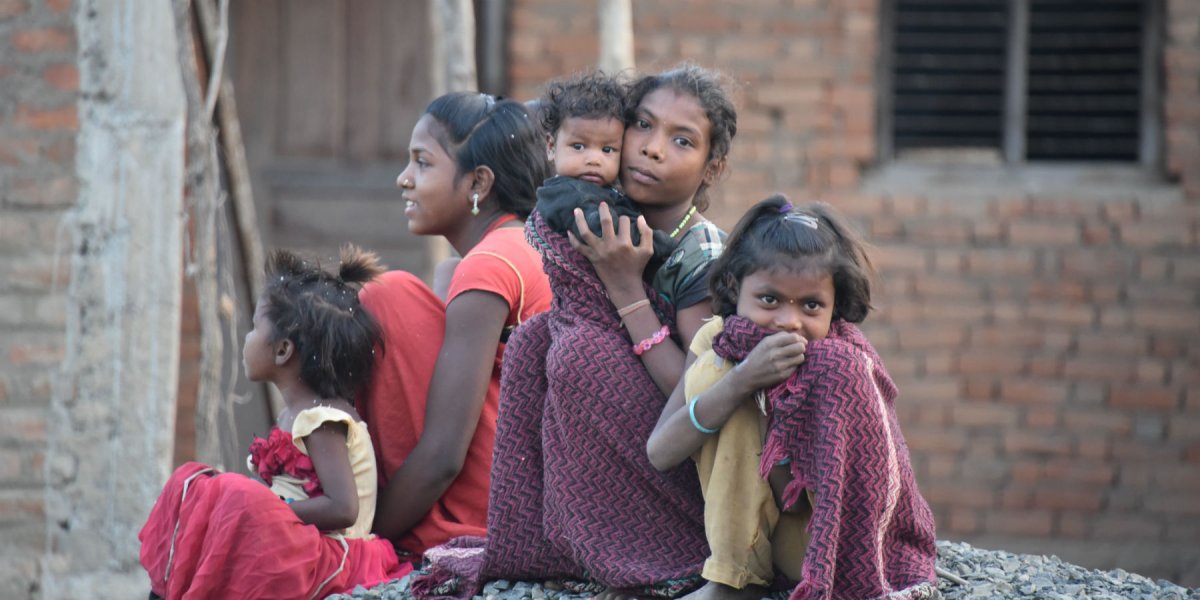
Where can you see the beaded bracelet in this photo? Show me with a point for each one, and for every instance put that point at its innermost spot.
(651, 341)
(696, 423)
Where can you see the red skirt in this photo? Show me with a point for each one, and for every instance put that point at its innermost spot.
(228, 536)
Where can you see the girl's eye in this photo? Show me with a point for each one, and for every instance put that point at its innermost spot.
(421, 163)
(768, 300)
(686, 143)
(812, 305)
(642, 124)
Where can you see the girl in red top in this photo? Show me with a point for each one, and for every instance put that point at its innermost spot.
(474, 164)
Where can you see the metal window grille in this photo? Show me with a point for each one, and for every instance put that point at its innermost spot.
(1023, 80)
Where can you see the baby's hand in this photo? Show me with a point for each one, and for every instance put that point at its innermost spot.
(618, 261)
(772, 361)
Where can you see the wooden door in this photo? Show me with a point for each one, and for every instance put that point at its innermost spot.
(328, 92)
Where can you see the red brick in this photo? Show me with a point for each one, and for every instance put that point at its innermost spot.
(1008, 261)
(934, 440)
(1080, 471)
(939, 231)
(1073, 526)
(56, 192)
(56, 118)
(952, 494)
(1155, 234)
(1124, 527)
(1044, 233)
(12, 8)
(1115, 369)
(1173, 504)
(988, 361)
(23, 425)
(961, 521)
(1034, 522)
(1111, 342)
(1180, 477)
(43, 40)
(32, 354)
(1018, 336)
(1062, 314)
(1112, 422)
(1145, 398)
(987, 416)
(1167, 318)
(1073, 499)
(64, 77)
(1042, 444)
(59, 6)
(980, 388)
(1042, 417)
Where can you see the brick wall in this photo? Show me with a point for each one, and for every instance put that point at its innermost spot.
(1043, 334)
(38, 124)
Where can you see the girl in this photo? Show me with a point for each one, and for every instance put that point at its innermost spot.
(677, 138)
(788, 291)
(309, 533)
(573, 494)
(475, 162)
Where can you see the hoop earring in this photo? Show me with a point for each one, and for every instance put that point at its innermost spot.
(475, 203)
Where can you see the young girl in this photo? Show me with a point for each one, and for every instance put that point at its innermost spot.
(307, 532)
(788, 291)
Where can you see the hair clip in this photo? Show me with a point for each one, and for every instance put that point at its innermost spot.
(807, 220)
(786, 208)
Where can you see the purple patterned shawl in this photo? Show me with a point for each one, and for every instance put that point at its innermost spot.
(573, 494)
(872, 532)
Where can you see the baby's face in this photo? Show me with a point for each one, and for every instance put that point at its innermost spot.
(589, 149)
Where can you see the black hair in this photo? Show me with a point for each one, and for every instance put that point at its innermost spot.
(319, 312)
(774, 235)
(591, 95)
(482, 130)
(709, 90)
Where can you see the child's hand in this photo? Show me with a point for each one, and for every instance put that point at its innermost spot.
(618, 262)
(772, 361)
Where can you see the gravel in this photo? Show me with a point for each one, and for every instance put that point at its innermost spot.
(988, 574)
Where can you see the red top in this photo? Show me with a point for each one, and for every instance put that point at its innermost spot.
(413, 321)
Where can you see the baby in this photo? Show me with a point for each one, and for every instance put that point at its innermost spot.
(584, 120)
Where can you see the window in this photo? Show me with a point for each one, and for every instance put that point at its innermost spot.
(1012, 81)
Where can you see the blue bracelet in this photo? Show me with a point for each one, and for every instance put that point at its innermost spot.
(695, 423)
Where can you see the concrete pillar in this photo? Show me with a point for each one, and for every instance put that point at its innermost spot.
(112, 413)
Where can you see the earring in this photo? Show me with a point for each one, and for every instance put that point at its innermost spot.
(475, 203)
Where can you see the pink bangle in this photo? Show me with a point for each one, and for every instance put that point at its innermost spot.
(641, 347)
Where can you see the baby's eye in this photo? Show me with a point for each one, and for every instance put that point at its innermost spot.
(768, 299)
(577, 146)
(609, 150)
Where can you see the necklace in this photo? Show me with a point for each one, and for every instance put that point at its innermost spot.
(686, 218)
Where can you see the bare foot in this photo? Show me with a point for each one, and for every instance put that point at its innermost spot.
(719, 591)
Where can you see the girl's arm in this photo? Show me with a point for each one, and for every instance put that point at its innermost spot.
(338, 508)
(675, 437)
(619, 264)
(474, 320)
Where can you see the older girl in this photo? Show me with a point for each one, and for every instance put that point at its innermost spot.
(474, 164)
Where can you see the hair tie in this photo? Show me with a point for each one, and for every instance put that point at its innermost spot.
(806, 220)
(786, 208)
